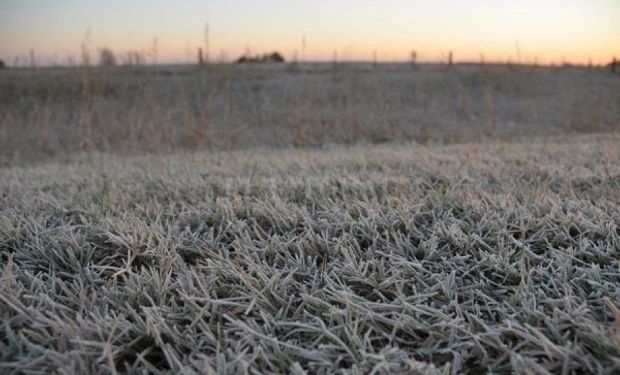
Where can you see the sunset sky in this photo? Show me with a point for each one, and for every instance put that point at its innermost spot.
(546, 30)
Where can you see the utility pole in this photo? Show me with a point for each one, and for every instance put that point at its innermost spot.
(155, 51)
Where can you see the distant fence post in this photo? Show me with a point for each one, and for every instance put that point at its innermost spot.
(293, 64)
(450, 59)
(33, 60)
(414, 57)
(614, 62)
(201, 61)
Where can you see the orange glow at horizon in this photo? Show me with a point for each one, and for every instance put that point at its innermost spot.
(575, 31)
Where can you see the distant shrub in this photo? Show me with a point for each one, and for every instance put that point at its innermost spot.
(2, 64)
(107, 57)
(133, 58)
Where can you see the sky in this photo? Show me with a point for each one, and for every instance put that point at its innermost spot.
(543, 31)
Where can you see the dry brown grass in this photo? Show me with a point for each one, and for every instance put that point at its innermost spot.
(131, 110)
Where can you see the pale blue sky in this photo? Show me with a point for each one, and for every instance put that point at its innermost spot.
(573, 30)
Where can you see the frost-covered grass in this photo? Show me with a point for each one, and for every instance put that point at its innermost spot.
(369, 259)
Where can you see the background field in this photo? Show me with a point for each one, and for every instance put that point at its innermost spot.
(58, 111)
(310, 218)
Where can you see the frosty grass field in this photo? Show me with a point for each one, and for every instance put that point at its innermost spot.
(408, 253)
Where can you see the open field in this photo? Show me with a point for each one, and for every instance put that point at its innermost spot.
(310, 218)
(55, 112)
(383, 258)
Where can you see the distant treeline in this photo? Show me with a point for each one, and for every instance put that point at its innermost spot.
(274, 57)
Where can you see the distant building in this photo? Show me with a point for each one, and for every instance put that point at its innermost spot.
(274, 57)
